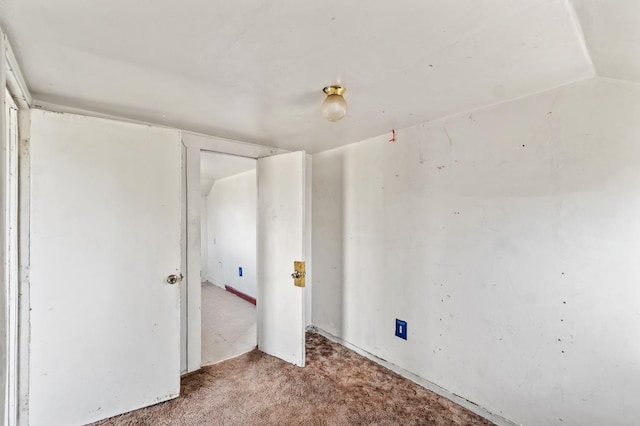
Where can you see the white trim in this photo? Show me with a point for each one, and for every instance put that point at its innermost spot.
(16, 307)
(4, 261)
(11, 255)
(193, 281)
(469, 405)
(24, 244)
(183, 263)
(308, 254)
(228, 146)
(15, 81)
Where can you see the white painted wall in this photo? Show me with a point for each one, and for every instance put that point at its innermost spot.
(508, 238)
(204, 241)
(231, 221)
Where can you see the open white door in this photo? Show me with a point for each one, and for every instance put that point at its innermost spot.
(281, 241)
(105, 236)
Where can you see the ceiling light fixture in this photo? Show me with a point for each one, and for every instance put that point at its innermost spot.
(334, 106)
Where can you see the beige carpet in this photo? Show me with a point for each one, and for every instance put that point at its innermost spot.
(228, 325)
(337, 387)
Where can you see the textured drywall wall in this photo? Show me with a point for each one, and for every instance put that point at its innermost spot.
(231, 222)
(508, 239)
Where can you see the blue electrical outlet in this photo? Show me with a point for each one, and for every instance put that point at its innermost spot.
(240, 271)
(401, 329)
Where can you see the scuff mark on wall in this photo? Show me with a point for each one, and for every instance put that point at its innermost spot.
(446, 132)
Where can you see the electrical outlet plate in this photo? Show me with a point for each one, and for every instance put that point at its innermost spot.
(401, 329)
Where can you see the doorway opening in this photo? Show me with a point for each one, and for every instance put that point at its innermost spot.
(228, 207)
(282, 185)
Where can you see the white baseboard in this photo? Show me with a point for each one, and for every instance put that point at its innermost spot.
(469, 405)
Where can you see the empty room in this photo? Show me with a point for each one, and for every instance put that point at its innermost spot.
(228, 256)
(320, 213)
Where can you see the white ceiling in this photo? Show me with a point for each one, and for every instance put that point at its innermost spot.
(214, 166)
(612, 32)
(253, 70)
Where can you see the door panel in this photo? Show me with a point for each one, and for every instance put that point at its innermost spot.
(105, 234)
(281, 241)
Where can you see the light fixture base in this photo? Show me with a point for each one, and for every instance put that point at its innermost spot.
(334, 90)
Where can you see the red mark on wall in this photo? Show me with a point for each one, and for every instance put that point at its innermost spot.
(393, 136)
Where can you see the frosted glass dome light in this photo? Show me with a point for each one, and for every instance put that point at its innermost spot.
(334, 106)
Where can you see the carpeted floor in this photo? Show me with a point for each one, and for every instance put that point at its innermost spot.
(228, 325)
(337, 387)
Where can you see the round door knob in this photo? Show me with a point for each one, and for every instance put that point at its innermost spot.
(173, 279)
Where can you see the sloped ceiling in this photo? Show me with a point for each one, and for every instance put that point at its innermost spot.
(253, 70)
(214, 166)
(612, 32)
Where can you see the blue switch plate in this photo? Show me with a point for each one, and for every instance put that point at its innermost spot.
(240, 271)
(401, 329)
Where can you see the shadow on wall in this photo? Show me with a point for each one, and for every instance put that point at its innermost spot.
(328, 251)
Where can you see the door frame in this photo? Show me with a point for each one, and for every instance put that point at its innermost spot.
(191, 316)
(15, 321)
(11, 255)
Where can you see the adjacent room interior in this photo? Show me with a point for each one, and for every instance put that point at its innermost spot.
(320, 212)
(228, 256)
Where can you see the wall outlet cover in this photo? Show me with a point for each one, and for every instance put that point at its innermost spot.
(401, 329)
